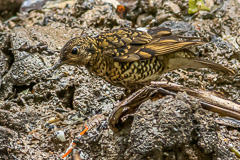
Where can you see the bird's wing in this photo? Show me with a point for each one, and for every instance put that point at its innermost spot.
(129, 45)
(120, 42)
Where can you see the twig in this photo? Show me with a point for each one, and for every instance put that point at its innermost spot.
(25, 104)
(209, 100)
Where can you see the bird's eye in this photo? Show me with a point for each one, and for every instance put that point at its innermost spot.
(74, 51)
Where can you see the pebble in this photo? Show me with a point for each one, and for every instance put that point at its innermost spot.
(61, 136)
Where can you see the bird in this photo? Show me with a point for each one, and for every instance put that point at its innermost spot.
(131, 58)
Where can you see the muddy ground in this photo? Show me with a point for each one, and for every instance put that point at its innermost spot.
(36, 103)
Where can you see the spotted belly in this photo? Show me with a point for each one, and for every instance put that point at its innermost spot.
(134, 73)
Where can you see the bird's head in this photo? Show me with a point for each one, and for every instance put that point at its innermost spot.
(77, 51)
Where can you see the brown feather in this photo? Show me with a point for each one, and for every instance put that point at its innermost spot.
(195, 63)
(131, 58)
(163, 45)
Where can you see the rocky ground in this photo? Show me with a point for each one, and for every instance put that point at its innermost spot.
(37, 104)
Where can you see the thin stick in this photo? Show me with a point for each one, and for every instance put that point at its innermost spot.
(209, 100)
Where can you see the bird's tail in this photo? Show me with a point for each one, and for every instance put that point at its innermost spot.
(183, 63)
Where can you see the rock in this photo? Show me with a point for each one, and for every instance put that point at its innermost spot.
(174, 126)
(9, 7)
(144, 20)
(60, 135)
(105, 16)
(27, 68)
(174, 7)
(29, 5)
(160, 129)
(169, 128)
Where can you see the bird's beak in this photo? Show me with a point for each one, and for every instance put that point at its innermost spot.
(57, 65)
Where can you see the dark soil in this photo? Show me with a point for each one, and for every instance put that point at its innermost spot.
(36, 103)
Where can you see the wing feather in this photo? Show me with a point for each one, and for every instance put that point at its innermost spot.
(133, 45)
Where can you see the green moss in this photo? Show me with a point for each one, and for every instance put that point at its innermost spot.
(196, 5)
